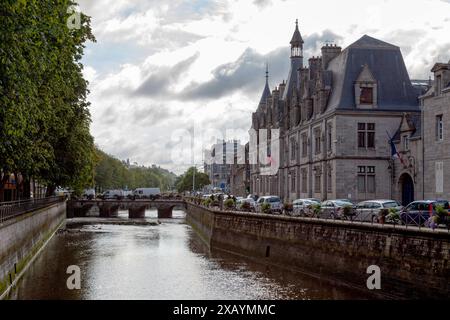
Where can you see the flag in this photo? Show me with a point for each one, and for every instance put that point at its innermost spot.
(394, 153)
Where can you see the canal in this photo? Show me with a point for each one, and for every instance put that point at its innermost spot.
(164, 261)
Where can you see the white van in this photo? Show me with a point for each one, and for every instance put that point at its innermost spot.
(112, 194)
(142, 193)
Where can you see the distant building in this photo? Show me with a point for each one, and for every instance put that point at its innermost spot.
(240, 175)
(334, 116)
(218, 162)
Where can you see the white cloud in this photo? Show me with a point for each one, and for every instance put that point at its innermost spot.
(168, 47)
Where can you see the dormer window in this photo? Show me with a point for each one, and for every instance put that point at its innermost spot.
(366, 89)
(366, 96)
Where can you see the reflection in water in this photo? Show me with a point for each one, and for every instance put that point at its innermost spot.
(166, 261)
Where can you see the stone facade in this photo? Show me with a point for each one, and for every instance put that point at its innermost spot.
(436, 134)
(334, 117)
(240, 175)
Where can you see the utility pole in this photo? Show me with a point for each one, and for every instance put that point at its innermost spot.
(193, 179)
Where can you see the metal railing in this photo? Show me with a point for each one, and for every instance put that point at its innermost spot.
(12, 209)
(405, 219)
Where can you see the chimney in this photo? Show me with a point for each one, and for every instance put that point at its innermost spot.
(329, 52)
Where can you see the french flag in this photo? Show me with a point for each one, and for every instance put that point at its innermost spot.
(394, 153)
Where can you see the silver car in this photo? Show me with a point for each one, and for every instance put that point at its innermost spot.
(334, 209)
(303, 206)
(273, 201)
(369, 210)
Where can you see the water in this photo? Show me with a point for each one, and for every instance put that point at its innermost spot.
(165, 261)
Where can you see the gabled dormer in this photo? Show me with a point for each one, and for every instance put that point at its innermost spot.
(366, 89)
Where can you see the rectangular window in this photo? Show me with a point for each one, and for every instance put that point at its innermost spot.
(366, 135)
(361, 135)
(293, 149)
(304, 145)
(317, 139)
(329, 140)
(293, 188)
(366, 180)
(304, 181)
(366, 96)
(329, 182)
(371, 184)
(405, 143)
(439, 128)
(371, 135)
(317, 184)
(361, 184)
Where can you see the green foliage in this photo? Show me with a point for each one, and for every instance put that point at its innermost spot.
(265, 207)
(207, 202)
(111, 173)
(229, 203)
(317, 208)
(393, 216)
(185, 181)
(44, 115)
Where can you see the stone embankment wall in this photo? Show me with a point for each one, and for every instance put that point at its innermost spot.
(21, 239)
(414, 263)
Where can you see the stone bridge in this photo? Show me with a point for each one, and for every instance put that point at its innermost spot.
(136, 208)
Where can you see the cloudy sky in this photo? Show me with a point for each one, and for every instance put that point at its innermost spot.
(161, 69)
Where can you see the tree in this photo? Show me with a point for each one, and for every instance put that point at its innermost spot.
(44, 115)
(111, 173)
(185, 181)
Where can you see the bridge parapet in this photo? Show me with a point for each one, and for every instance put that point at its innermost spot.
(136, 208)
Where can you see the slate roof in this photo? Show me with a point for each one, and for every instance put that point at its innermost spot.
(296, 37)
(265, 94)
(292, 80)
(395, 91)
(415, 120)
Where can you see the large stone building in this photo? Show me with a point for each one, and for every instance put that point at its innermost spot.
(240, 174)
(218, 163)
(436, 134)
(335, 115)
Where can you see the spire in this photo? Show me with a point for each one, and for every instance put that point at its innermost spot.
(296, 40)
(266, 92)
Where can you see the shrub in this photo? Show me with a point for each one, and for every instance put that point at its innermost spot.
(348, 210)
(207, 202)
(229, 203)
(441, 212)
(317, 208)
(393, 216)
(265, 207)
(288, 206)
(246, 206)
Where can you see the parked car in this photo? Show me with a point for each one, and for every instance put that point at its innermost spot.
(250, 201)
(116, 194)
(369, 210)
(334, 209)
(273, 201)
(418, 212)
(302, 206)
(146, 193)
(89, 194)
